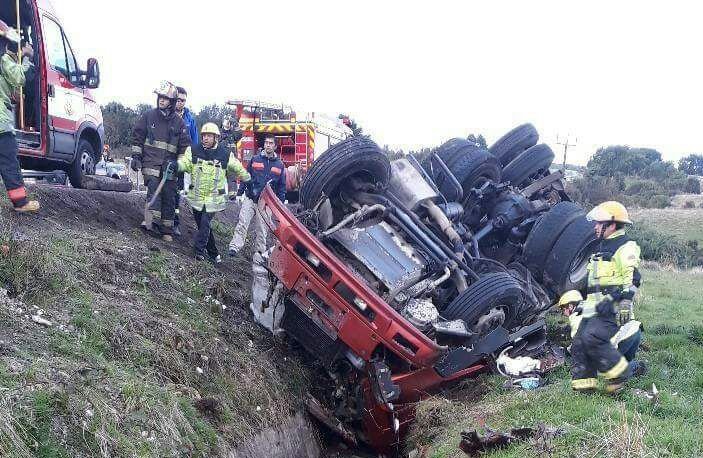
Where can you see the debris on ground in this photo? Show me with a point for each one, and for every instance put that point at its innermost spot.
(327, 418)
(473, 444)
(650, 395)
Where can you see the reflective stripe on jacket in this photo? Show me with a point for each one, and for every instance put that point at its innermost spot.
(208, 169)
(614, 268)
(159, 138)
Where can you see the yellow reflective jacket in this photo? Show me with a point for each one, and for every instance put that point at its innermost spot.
(11, 79)
(208, 168)
(613, 268)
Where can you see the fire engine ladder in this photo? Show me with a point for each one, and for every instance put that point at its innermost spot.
(301, 145)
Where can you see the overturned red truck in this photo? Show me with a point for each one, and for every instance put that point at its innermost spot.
(401, 277)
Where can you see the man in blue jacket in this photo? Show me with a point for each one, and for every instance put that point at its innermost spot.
(265, 167)
(192, 130)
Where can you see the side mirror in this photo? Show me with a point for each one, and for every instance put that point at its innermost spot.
(92, 74)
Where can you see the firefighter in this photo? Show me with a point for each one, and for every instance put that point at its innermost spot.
(207, 163)
(11, 80)
(265, 167)
(158, 138)
(231, 134)
(627, 339)
(613, 280)
(189, 120)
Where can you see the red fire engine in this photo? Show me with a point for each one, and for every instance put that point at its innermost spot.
(300, 139)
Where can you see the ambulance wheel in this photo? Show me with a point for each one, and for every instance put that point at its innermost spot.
(83, 164)
(356, 157)
(514, 142)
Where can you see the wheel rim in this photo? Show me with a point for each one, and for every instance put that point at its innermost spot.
(87, 163)
(490, 320)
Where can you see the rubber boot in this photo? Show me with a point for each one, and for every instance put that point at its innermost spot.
(30, 207)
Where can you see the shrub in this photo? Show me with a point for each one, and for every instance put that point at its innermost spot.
(689, 204)
(665, 249)
(693, 185)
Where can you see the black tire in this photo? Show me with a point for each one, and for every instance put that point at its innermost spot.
(355, 156)
(449, 153)
(514, 142)
(544, 235)
(497, 290)
(565, 266)
(82, 165)
(473, 168)
(529, 163)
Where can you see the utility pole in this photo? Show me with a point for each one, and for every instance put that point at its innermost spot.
(566, 145)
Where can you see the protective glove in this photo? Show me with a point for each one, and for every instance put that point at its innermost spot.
(136, 163)
(624, 312)
(169, 169)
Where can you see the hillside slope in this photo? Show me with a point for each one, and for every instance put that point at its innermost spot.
(149, 353)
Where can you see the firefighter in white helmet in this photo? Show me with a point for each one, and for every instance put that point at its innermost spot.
(613, 279)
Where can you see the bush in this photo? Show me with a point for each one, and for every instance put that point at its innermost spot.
(689, 204)
(693, 186)
(667, 250)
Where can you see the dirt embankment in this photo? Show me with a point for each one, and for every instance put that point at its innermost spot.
(113, 343)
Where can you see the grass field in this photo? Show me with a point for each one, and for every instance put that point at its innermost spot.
(682, 223)
(596, 425)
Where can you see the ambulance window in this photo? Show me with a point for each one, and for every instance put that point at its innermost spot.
(55, 51)
(73, 71)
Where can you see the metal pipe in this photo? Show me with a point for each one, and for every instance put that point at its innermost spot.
(446, 226)
(19, 61)
(436, 239)
(449, 176)
(362, 212)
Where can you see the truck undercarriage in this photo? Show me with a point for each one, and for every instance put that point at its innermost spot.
(401, 277)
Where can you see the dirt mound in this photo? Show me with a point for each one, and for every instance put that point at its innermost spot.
(113, 343)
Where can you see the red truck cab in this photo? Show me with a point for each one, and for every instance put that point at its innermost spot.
(58, 123)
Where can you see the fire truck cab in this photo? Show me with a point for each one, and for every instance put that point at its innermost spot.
(58, 123)
(300, 139)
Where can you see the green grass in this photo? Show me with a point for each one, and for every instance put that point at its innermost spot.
(682, 223)
(599, 425)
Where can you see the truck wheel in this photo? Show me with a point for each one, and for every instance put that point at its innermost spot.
(353, 157)
(83, 164)
(449, 150)
(514, 142)
(474, 168)
(529, 163)
(495, 299)
(544, 235)
(565, 266)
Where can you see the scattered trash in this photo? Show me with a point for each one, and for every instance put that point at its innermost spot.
(526, 383)
(517, 366)
(473, 445)
(327, 418)
(39, 320)
(199, 371)
(652, 395)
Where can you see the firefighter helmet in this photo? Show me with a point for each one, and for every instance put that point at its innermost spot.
(167, 89)
(609, 211)
(9, 33)
(569, 297)
(210, 128)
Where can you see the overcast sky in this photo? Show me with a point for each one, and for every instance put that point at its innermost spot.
(414, 74)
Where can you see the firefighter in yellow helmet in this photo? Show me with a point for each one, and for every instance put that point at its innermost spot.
(613, 279)
(208, 163)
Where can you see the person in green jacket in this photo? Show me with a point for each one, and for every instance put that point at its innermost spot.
(613, 280)
(208, 164)
(11, 80)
